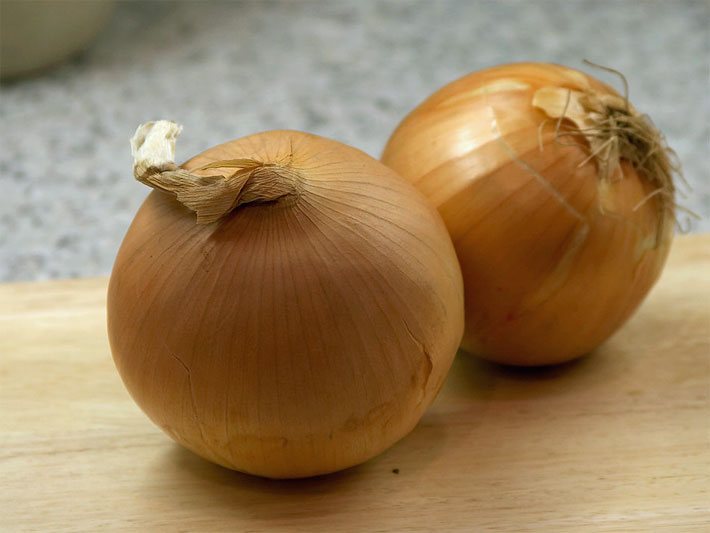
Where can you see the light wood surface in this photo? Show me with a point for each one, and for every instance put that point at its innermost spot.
(617, 441)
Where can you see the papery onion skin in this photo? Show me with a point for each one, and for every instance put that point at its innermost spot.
(295, 337)
(554, 258)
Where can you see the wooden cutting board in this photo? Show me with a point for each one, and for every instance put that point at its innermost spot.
(617, 441)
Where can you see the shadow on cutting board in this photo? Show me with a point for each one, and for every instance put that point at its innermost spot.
(487, 416)
(479, 379)
(185, 483)
(211, 490)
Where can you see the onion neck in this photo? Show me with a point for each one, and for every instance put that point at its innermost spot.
(211, 195)
(269, 183)
(614, 131)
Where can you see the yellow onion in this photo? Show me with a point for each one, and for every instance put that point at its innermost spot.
(558, 196)
(307, 320)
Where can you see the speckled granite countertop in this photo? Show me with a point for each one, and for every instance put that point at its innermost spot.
(349, 71)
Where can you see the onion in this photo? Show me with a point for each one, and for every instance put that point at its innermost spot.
(308, 319)
(558, 196)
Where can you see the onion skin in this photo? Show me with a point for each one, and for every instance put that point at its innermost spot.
(295, 337)
(548, 276)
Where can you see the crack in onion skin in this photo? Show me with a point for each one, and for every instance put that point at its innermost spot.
(293, 337)
(555, 256)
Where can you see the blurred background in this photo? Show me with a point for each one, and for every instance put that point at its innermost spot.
(346, 70)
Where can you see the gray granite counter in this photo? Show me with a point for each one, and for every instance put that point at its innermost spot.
(349, 71)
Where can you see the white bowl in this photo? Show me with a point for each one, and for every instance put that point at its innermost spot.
(35, 34)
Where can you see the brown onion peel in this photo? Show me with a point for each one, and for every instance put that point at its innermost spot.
(210, 196)
(292, 334)
(559, 197)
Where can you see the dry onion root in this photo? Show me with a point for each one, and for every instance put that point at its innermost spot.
(559, 198)
(308, 319)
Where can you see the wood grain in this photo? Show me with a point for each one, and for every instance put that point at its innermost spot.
(617, 441)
